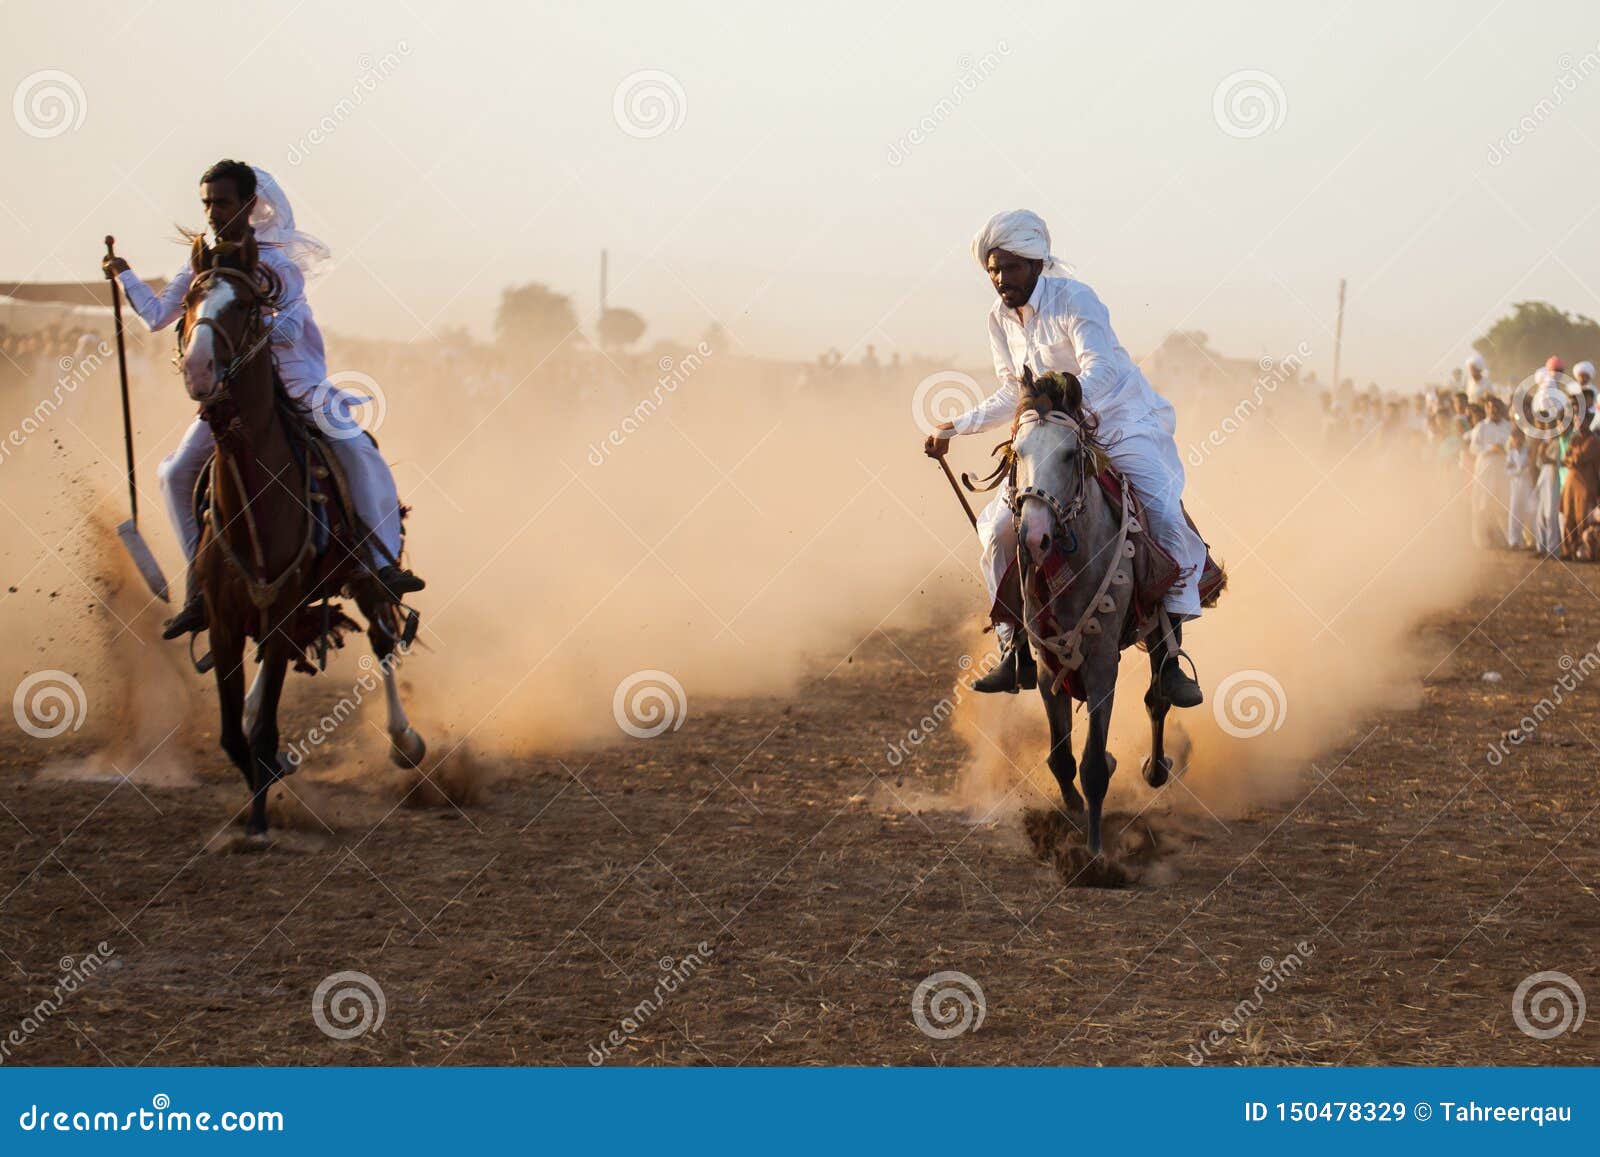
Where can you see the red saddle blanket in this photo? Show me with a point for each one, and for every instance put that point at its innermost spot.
(1155, 572)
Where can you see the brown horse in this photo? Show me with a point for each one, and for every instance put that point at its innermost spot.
(1078, 600)
(259, 560)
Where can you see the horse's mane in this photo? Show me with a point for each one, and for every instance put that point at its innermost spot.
(1055, 392)
(244, 256)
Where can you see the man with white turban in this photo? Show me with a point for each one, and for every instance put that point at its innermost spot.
(1479, 387)
(1049, 322)
(1583, 384)
(239, 200)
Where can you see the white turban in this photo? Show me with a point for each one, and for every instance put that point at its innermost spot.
(273, 220)
(1018, 231)
(1476, 362)
(1583, 368)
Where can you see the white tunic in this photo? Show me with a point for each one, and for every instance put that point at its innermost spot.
(1065, 327)
(295, 340)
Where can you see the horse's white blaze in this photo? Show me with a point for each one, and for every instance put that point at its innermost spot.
(200, 362)
(1043, 464)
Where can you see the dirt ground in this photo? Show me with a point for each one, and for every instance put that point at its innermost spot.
(749, 890)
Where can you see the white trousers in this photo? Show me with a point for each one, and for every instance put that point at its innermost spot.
(372, 487)
(1520, 518)
(1146, 452)
(1547, 513)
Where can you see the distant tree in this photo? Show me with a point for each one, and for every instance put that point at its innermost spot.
(619, 328)
(1521, 342)
(533, 319)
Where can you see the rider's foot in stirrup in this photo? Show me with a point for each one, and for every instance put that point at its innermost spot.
(190, 620)
(1016, 672)
(1177, 688)
(399, 582)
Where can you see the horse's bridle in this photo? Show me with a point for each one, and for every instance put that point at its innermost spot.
(1006, 471)
(256, 332)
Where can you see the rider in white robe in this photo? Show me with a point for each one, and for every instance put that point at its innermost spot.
(1065, 327)
(297, 349)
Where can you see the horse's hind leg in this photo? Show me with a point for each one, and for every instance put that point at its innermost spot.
(1058, 710)
(406, 747)
(264, 729)
(1157, 767)
(1095, 771)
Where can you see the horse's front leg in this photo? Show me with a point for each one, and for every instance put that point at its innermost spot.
(1058, 710)
(264, 729)
(1157, 767)
(1095, 772)
(227, 653)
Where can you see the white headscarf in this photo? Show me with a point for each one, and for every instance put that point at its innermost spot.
(1018, 231)
(1584, 368)
(1476, 362)
(273, 221)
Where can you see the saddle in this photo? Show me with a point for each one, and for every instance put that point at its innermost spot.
(335, 529)
(1154, 572)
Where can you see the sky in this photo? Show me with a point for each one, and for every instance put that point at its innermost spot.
(810, 176)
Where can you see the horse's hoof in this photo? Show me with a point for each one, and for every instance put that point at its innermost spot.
(1157, 772)
(1072, 801)
(406, 749)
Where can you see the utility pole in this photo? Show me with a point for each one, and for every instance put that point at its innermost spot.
(1338, 338)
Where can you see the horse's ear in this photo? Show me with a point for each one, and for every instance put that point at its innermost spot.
(1071, 392)
(251, 252)
(199, 254)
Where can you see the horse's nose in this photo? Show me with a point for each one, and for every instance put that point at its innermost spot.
(1036, 531)
(199, 370)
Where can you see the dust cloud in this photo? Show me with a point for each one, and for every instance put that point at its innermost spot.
(615, 544)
